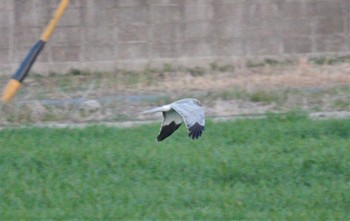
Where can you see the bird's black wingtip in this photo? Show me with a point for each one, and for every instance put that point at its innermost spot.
(196, 131)
(159, 139)
(167, 130)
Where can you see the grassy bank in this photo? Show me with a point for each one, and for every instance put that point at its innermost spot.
(281, 167)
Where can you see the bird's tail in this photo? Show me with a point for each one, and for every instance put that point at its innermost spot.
(157, 109)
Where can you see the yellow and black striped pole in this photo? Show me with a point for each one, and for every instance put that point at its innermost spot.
(14, 84)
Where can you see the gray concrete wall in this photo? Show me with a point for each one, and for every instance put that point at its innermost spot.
(111, 34)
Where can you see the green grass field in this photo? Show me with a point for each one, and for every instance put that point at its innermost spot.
(284, 167)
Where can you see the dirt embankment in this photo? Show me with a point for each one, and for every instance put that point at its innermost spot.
(82, 97)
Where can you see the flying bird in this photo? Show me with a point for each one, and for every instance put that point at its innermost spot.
(188, 110)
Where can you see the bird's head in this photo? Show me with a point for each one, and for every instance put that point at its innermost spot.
(197, 102)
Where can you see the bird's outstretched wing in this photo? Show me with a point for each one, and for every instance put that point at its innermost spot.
(193, 116)
(171, 121)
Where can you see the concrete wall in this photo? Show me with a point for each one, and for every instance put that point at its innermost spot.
(112, 34)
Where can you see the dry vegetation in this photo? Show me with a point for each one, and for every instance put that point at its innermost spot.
(225, 90)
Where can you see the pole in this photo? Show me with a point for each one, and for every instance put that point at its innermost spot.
(21, 73)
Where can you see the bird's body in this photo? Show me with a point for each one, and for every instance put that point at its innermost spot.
(188, 110)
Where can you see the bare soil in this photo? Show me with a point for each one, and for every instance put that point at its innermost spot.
(124, 95)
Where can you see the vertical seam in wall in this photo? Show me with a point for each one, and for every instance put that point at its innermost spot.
(179, 39)
(347, 24)
(11, 34)
(149, 32)
(83, 25)
(48, 46)
(115, 35)
(81, 34)
(313, 31)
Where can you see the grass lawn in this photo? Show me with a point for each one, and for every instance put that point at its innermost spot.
(284, 167)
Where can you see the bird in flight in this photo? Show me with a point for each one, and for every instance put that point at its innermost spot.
(188, 110)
